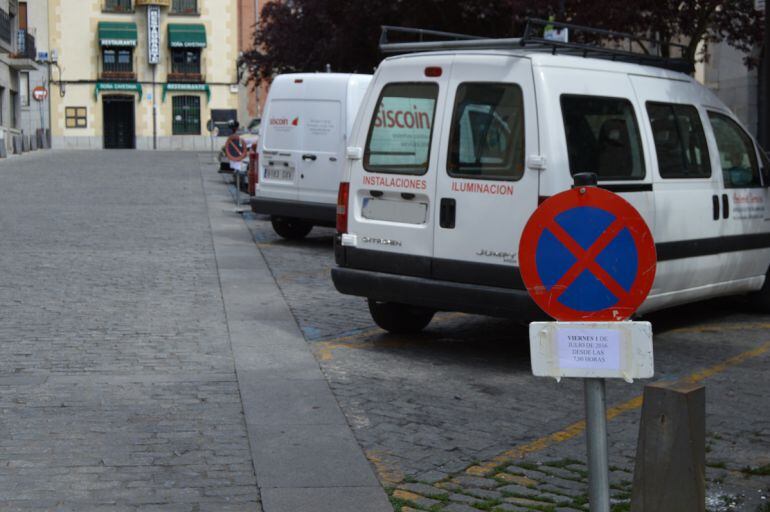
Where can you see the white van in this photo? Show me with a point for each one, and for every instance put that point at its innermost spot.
(306, 125)
(454, 150)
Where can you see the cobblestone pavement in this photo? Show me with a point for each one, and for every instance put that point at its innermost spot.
(454, 421)
(117, 384)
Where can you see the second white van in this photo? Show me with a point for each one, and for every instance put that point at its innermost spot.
(306, 124)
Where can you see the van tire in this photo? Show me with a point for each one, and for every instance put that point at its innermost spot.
(290, 228)
(399, 318)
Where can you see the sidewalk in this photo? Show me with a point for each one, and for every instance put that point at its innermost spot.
(305, 455)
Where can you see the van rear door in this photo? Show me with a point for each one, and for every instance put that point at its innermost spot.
(281, 143)
(392, 187)
(320, 126)
(485, 194)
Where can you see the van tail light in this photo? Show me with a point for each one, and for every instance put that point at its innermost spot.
(342, 207)
(253, 169)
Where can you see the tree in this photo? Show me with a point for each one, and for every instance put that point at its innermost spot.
(686, 22)
(306, 35)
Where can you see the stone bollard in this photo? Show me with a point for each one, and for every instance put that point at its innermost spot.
(671, 451)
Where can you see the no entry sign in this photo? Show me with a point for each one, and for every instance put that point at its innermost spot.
(235, 148)
(587, 255)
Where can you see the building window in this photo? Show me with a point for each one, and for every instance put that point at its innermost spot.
(14, 107)
(186, 61)
(24, 89)
(75, 117)
(118, 60)
(117, 5)
(187, 115)
(184, 7)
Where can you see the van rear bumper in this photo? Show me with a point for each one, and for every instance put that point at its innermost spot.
(317, 213)
(435, 294)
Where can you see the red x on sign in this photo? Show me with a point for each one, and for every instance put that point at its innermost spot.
(587, 255)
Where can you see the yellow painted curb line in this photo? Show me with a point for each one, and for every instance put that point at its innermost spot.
(578, 427)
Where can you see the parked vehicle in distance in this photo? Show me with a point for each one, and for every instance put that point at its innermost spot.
(308, 120)
(250, 136)
(454, 150)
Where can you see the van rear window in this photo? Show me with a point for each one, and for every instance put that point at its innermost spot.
(602, 137)
(401, 129)
(487, 139)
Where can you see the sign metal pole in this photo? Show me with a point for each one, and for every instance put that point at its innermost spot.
(596, 440)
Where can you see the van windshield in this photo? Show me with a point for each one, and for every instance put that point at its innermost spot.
(401, 129)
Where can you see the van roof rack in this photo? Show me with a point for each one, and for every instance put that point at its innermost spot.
(583, 41)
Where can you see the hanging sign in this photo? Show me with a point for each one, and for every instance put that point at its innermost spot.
(153, 34)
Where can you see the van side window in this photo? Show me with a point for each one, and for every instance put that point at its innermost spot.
(736, 153)
(679, 141)
(401, 129)
(487, 137)
(602, 137)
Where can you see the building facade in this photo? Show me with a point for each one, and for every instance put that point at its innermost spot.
(252, 98)
(34, 103)
(728, 77)
(142, 74)
(18, 69)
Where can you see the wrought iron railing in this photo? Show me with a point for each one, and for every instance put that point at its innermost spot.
(190, 78)
(117, 6)
(25, 45)
(184, 6)
(5, 26)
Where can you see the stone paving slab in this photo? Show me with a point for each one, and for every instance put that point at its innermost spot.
(428, 408)
(303, 449)
(118, 389)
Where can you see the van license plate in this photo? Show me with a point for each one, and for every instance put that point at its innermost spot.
(277, 173)
(406, 212)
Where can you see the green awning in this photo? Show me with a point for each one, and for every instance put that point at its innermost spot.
(186, 36)
(117, 33)
(187, 88)
(118, 87)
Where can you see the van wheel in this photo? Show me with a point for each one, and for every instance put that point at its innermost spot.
(399, 318)
(291, 229)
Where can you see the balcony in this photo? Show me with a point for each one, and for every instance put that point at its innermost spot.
(118, 6)
(25, 45)
(184, 7)
(5, 28)
(23, 59)
(186, 77)
(118, 76)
